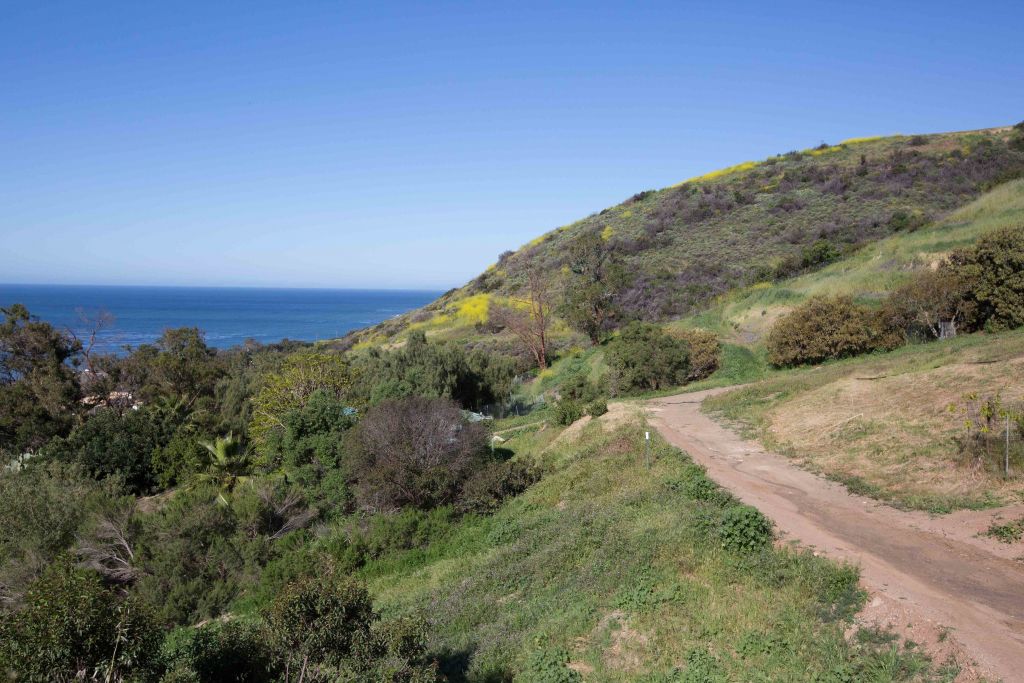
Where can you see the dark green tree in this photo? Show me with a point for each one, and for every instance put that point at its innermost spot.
(113, 443)
(594, 279)
(39, 390)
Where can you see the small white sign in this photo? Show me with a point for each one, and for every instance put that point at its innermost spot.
(647, 435)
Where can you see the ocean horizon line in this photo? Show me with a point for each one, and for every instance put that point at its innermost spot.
(222, 287)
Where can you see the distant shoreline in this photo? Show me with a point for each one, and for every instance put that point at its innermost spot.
(229, 316)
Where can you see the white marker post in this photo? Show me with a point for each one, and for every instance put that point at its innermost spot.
(647, 449)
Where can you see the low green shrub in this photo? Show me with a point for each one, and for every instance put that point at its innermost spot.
(744, 529)
(1010, 532)
(406, 529)
(597, 407)
(548, 665)
(696, 485)
(567, 411)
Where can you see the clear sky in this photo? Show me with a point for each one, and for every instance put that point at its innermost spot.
(383, 144)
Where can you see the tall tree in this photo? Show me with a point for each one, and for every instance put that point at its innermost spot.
(594, 279)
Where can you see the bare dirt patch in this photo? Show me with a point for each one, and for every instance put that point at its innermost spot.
(937, 640)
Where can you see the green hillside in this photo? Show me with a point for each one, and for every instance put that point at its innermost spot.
(685, 245)
(622, 573)
(868, 274)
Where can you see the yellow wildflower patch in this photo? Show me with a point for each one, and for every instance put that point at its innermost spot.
(745, 166)
(857, 141)
(607, 233)
(472, 309)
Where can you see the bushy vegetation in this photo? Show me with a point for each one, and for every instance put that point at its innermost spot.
(826, 328)
(415, 452)
(475, 378)
(319, 628)
(979, 287)
(72, 627)
(745, 529)
(704, 352)
(644, 357)
(992, 273)
(182, 484)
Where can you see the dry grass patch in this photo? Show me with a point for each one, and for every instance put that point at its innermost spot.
(883, 424)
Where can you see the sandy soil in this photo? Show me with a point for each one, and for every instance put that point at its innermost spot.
(930, 579)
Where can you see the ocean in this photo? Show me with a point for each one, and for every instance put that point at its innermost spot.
(228, 315)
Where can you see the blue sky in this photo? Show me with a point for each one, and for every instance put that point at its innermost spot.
(407, 145)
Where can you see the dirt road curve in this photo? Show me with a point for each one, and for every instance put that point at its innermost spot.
(916, 568)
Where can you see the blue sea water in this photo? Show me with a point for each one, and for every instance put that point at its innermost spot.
(228, 315)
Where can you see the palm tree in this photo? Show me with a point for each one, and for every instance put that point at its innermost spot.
(227, 466)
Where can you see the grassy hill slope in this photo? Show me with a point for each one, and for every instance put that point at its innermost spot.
(687, 244)
(745, 315)
(620, 572)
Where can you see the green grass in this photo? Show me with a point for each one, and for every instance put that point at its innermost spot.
(1009, 532)
(621, 569)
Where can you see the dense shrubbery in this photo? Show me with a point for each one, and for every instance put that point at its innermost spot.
(113, 443)
(981, 287)
(319, 628)
(261, 443)
(43, 509)
(486, 489)
(475, 379)
(929, 299)
(825, 328)
(644, 357)
(72, 627)
(578, 395)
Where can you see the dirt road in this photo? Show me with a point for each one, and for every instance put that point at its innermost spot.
(925, 575)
